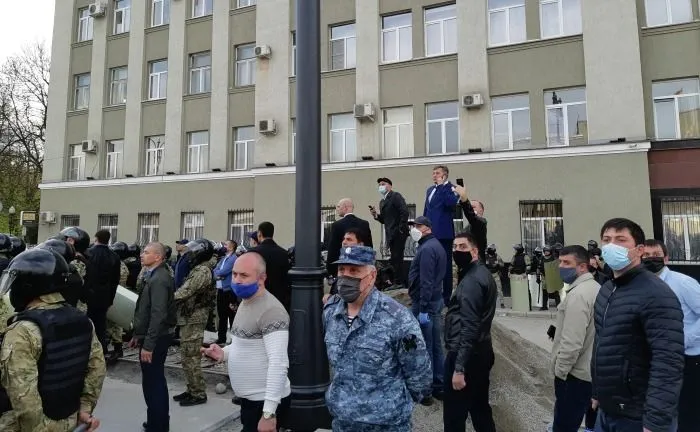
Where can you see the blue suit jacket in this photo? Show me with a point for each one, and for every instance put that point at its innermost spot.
(440, 210)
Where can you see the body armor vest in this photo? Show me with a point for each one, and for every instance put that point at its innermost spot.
(518, 265)
(492, 263)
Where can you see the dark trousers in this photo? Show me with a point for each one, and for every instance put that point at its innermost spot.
(573, 397)
(432, 332)
(223, 300)
(591, 417)
(447, 281)
(472, 399)
(688, 404)
(155, 388)
(608, 423)
(396, 248)
(251, 412)
(98, 316)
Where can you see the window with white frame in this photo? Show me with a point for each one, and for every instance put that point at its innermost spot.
(70, 221)
(397, 37)
(198, 152)
(193, 225)
(294, 54)
(342, 138)
(240, 223)
(245, 65)
(157, 79)
(81, 95)
(440, 30)
(202, 8)
(117, 85)
(294, 141)
(665, 12)
(122, 16)
(398, 132)
(200, 72)
(510, 122)
(541, 223)
(148, 227)
(109, 222)
(443, 127)
(85, 25)
(115, 159)
(506, 22)
(343, 47)
(155, 148)
(328, 216)
(243, 147)
(245, 3)
(76, 164)
(160, 12)
(560, 18)
(567, 123)
(676, 108)
(681, 228)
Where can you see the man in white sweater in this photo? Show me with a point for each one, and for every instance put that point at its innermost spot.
(257, 356)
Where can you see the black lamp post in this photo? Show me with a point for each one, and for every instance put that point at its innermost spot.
(308, 364)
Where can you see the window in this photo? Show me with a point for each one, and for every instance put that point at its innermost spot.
(76, 168)
(328, 215)
(245, 3)
(443, 128)
(398, 132)
(243, 148)
(160, 12)
(198, 152)
(676, 108)
(541, 223)
(109, 222)
(397, 38)
(82, 91)
(70, 221)
(200, 73)
(114, 163)
(343, 47)
(85, 23)
(440, 30)
(155, 146)
(201, 8)
(117, 92)
(560, 18)
(566, 117)
(510, 121)
(506, 21)
(149, 224)
(681, 225)
(294, 53)
(157, 79)
(193, 225)
(342, 130)
(245, 65)
(664, 12)
(122, 16)
(240, 223)
(294, 141)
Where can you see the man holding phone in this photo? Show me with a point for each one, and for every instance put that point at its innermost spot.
(393, 214)
(474, 213)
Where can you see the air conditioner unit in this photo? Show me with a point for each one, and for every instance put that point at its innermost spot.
(364, 111)
(267, 127)
(97, 9)
(47, 217)
(263, 51)
(474, 100)
(89, 146)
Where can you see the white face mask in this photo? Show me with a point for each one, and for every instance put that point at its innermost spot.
(416, 234)
(382, 189)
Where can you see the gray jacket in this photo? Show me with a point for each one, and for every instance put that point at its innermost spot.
(155, 314)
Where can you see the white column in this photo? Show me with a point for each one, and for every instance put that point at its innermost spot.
(367, 31)
(98, 75)
(134, 96)
(218, 134)
(177, 72)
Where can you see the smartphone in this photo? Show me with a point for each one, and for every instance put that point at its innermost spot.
(460, 182)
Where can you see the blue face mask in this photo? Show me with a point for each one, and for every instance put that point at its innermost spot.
(245, 291)
(568, 275)
(616, 256)
(382, 190)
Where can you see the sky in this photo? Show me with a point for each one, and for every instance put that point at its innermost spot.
(24, 22)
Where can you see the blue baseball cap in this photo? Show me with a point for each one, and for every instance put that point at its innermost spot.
(356, 255)
(421, 220)
(182, 242)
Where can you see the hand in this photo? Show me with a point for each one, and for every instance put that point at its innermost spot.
(214, 352)
(461, 192)
(594, 404)
(423, 318)
(373, 211)
(133, 343)
(325, 298)
(88, 419)
(146, 356)
(458, 381)
(265, 425)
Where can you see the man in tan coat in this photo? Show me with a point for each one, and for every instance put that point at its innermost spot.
(573, 341)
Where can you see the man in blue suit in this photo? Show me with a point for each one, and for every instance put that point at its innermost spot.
(440, 204)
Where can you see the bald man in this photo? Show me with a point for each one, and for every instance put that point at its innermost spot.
(346, 221)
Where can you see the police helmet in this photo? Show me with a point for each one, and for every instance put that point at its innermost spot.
(547, 249)
(134, 250)
(18, 246)
(5, 244)
(538, 250)
(519, 248)
(168, 252)
(199, 251)
(80, 238)
(491, 249)
(65, 249)
(121, 249)
(592, 244)
(32, 274)
(558, 247)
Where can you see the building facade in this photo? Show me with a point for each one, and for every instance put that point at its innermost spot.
(175, 118)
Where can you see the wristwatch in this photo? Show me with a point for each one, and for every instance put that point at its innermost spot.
(268, 415)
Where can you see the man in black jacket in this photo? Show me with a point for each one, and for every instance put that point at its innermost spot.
(474, 213)
(102, 275)
(347, 220)
(468, 342)
(393, 213)
(637, 365)
(277, 262)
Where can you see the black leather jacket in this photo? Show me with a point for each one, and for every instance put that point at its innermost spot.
(470, 313)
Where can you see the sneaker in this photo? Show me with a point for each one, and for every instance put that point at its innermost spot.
(427, 401)
(193, 400)
(181, 397)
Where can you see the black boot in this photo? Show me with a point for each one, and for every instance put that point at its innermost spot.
(193, 400)
(181, 397)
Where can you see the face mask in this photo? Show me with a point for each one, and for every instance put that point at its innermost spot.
(382, 190)
(568, 275)
(461, 258)
(348, 288)
(245, 291)
(416, 234)
(616, 256)
(654, 264)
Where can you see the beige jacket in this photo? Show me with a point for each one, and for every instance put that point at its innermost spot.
(573, 340)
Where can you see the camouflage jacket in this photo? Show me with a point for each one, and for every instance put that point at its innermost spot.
(19, 357)
(193, 297)
(380, 364)
(79, 266)
(123, 274)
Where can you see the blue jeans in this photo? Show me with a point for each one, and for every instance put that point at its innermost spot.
(573, 397)
(432, 333)
(155, 388)
(607, 423)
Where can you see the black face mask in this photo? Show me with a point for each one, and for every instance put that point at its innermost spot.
(348, 288)
(462, 259)
(654, 264)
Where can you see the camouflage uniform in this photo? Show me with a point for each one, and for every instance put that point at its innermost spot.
(6, 311)
(19, 356)
(213, 314)
(192, 312)
(81, 269)
(114, 332)
(495, 264)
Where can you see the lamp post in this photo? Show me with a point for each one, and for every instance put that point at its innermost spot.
(11, 219)
(308, 365)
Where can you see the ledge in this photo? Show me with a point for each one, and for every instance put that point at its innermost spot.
(242, 10)
(81, 44)
(337, 73)
(120, 107)
(75, 113)
(671, 28)
(196, 96)
(533, 44)
(118, 36)
(418, 61)
(149, 102)
(676, 144)
(156, 29)
(199, 19)
(246, 89)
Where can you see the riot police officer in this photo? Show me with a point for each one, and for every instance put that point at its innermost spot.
(80, 240)
(520, 261)
(73, 289)
(495, 265)
(115, 333)
(18, 246)
(537, 269)
(51, 340)
(5, 249)
(553, 281)
(133, 263)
